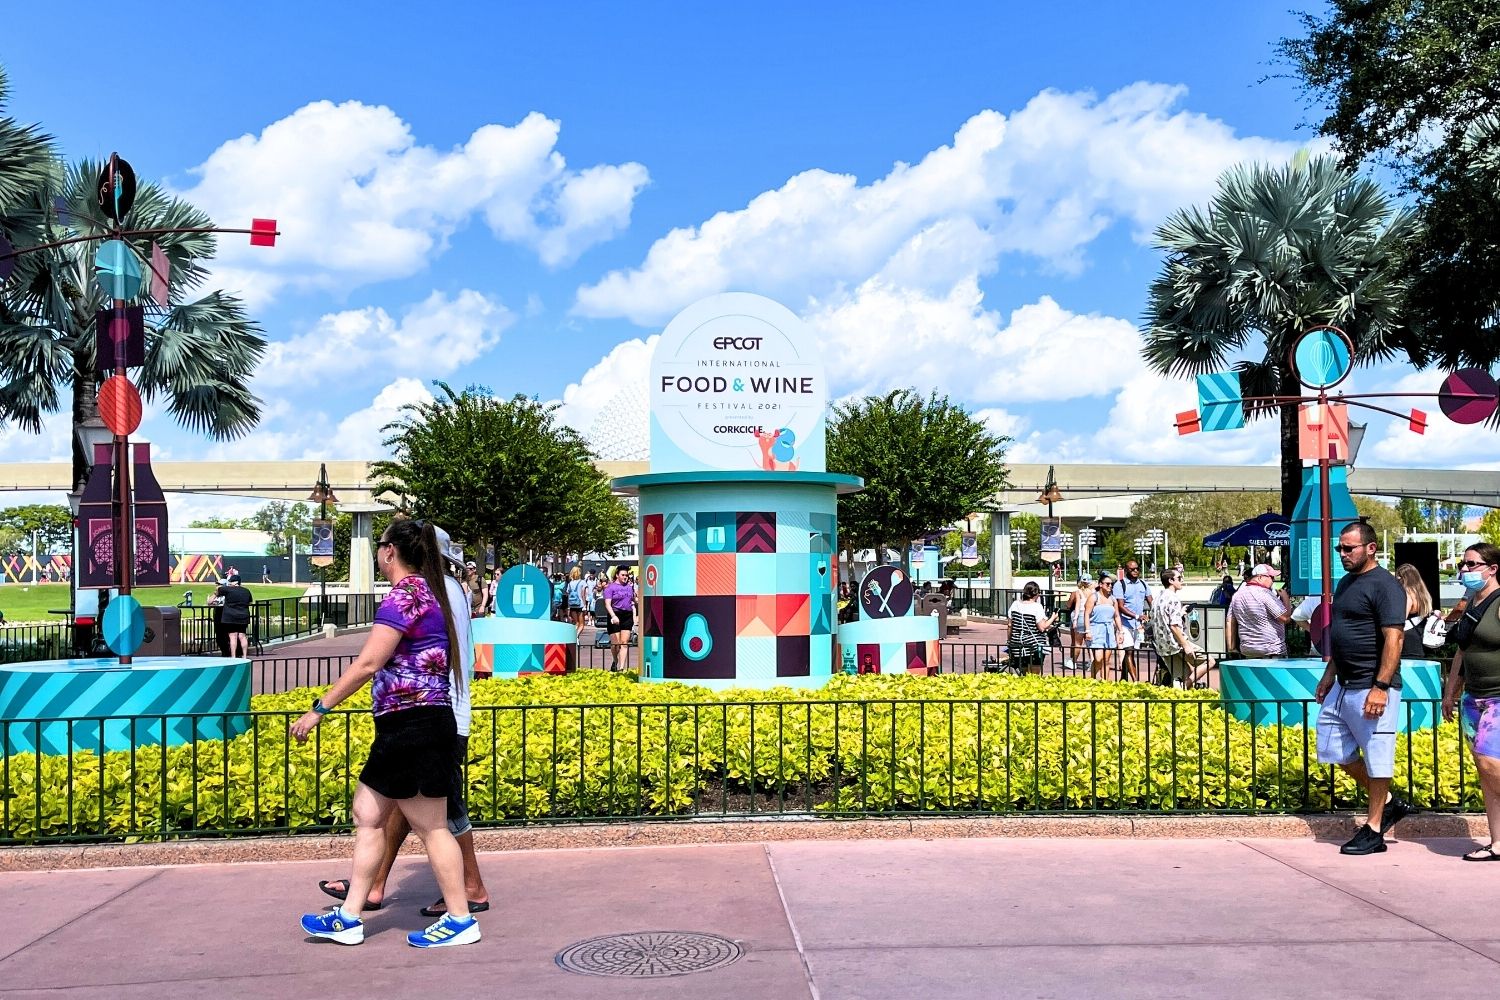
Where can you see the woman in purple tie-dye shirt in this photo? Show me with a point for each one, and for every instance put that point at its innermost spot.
(411, 762)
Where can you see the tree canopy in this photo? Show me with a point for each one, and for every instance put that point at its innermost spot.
(1415, 85)
(52, 523)
(926, 463)
(1189, 517)
(501, 472)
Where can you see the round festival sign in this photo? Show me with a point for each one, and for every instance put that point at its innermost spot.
(737, 383)
(524, 592)
(1322, 358)
(1468, 396)
(120, 405)
(885, 592)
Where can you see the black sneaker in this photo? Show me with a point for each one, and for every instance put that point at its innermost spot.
(1394, 812)
(1364, 841)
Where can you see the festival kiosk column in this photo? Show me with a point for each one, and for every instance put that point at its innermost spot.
(738, 517)
(888, 638)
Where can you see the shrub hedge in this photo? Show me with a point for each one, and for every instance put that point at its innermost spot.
(597, 745)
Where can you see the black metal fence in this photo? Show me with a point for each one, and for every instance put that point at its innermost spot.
(43, 641)
(1179, 752)
(273, 675)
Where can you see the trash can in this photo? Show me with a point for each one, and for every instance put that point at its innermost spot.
(163, 632)
(928, 604)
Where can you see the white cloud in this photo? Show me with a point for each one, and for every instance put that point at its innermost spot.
(359, 200)
(1045, 182)
(437, 336)
(610, 388)
(359, 435)
(885, 336)
(1140, 428)
(1391, 442)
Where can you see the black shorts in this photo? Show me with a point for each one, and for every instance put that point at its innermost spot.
(624, 622)
(236, 629)
(413, 753)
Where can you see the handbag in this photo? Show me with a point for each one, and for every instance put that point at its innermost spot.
(1434, 632)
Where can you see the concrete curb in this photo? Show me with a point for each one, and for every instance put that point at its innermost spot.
(1327, 826)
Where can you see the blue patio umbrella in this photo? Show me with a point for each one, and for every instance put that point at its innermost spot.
(1262, 531)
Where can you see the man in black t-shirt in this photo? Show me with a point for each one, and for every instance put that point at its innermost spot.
(1361, 687)
(235, 603)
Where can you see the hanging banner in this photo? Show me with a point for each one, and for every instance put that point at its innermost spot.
(96, 524)
(152, 563)
(1051, 546)
(917, 550)
(968, 549)
(322, 542)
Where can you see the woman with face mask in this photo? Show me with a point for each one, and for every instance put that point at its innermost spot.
(1476, 674)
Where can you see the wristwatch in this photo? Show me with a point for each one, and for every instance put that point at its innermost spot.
(1382, 685)
(319, 707)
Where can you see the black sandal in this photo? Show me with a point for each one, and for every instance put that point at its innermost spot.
(331, 889)
(1486, 853)
(439, 908)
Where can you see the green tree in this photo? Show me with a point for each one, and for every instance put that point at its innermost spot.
(501, 472)
(200, 354)
(1444, 516)
(51, 522)
(1412, 516)
(1489, 526)
(283, 521)
(1277, 251)
(1415, 84)
(223, 523)
(1190, 517)
(925, 461)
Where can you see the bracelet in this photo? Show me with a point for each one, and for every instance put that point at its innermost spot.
(319, 707)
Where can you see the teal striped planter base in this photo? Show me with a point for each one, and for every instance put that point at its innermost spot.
(1243, 683)
(99, 705)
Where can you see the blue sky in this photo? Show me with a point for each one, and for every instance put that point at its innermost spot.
(955, 196)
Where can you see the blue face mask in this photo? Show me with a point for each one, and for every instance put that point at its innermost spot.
(1471, 580)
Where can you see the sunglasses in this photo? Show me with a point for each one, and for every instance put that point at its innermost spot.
(1472, 564)
(1350, 548)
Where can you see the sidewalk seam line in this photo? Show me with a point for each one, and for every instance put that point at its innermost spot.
(1370, 902)
(93, 909)
(812, 987)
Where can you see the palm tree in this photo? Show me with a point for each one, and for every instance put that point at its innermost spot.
(1277, 251)
(200, 355)
(26, 164)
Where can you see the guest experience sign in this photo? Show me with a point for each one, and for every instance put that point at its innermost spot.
(737, 383)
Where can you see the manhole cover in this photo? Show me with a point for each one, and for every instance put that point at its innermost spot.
(649, 954)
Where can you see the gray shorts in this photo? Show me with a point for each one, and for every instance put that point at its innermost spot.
(458, 812)
(1345, 735)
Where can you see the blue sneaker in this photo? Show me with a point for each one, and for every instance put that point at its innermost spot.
(336, 925)
(448, 931)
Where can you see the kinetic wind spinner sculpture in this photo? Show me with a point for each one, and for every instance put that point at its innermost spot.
(1322, 359)
(124, 543)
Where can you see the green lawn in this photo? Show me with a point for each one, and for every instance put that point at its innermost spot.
(22, 602)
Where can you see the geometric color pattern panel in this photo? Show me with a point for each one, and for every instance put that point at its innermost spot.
(738, 595)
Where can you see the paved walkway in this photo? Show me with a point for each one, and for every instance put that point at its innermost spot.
(949, 919)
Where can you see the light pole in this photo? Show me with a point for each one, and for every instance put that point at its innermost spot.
(1086, 539)
(1156, 535)
(1067, 541)
(1018, 539)
(322, 554)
